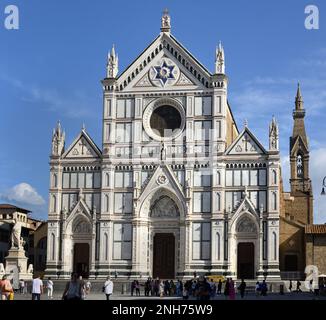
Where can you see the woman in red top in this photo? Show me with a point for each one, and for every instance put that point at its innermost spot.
(6, 288)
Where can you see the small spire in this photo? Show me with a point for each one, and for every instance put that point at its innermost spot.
(112, 64)
(166, 21)
(298, 99)
(83, 127)
(219, 59)
(246, 123)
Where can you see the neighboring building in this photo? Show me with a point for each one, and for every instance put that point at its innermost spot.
(34, 232)
(316, 246)
(175, 188)
(301, 242)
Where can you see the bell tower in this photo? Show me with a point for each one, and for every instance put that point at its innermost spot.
(299, 158)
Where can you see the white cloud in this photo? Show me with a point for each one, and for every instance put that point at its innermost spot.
(77, 105)
(23, 193)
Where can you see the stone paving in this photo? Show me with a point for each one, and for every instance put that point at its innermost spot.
(248, 296)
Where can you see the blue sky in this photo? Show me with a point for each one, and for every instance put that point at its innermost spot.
(51, 68)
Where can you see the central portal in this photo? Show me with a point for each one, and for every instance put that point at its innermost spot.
(164, 255)
(81, 259)
(246, 260)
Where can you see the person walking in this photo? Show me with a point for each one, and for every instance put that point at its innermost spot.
(161, 289)
(6, 288)
(74, 288)
(231, 290)
(290, 286)
(227, 288)
(37, 288)
(242, 288)
(257, 289)
(21, 286)
(49, 286)
(88, 287)
(219, 287)
(264, 288)
(108, 288)
(298, 286)
(133, 287)
(137, 287)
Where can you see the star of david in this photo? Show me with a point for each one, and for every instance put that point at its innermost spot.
(164, 73)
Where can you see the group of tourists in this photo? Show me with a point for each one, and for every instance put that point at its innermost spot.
(200, 288)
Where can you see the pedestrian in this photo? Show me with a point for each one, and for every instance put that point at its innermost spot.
(227, 288)
(257, 289)
(219, 287)
(88, 287)
(137, 287)
(49, 286)
(74, 288)
(264, 288)
(37, 288)
(213, 289)
(83, 288)
(21, 286)
(203, 289)
(242, 288)
(157, 287)
(311, 286)
(290, 286)
(6, 288)
(108, 288)
(231, 290)
(298, 286)
(161, 289)
(133, 287)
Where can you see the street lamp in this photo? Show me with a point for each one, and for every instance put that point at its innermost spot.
(324, 186)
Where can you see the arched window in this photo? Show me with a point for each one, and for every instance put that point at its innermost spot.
(274, 177)
(107, 179)
(218, 246)
(106, 246)
(54, 203)
(218, 178)
(299, 166)
(274, 201)
(275, 245)
(53, 246)
(55, 179)
(107, 203)
(218, 201)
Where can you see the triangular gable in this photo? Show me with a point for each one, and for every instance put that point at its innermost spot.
(80, 208)
(299, 144)
(246, 143)
(163, 176)
(245, 207)
(82, 147)
(188, 73)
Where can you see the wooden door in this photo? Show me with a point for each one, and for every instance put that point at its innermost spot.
(164, 256)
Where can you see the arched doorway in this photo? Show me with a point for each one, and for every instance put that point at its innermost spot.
(247, 248)
(82, 239)
(165, 215)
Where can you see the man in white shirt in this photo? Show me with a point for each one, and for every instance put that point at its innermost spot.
(108, 288)
(49, 286)
(37, 288)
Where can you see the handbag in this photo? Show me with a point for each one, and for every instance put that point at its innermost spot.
(103, 289)
(11, 296)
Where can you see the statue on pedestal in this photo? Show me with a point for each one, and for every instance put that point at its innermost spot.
(16, 239)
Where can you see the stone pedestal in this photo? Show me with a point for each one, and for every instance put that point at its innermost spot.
(17, 259)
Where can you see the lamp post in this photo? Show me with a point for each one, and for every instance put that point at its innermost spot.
(324, 186)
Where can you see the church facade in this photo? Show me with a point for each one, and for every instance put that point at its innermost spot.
(175, 188)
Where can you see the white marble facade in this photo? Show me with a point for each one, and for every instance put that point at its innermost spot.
(106, 206)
